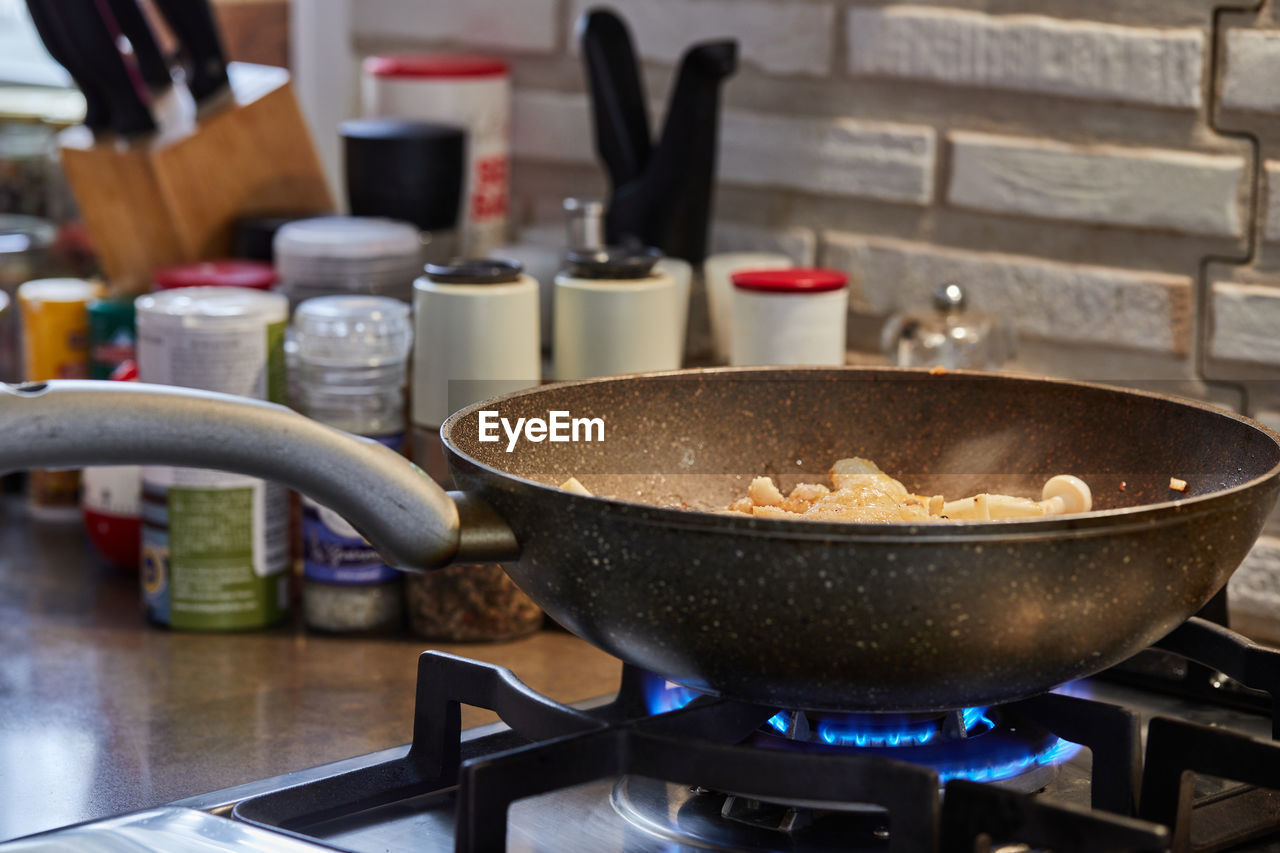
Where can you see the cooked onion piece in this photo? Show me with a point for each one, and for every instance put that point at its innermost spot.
(864, 493)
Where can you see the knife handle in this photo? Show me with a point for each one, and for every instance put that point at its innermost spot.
(618, 106)
(97, 112)
(134, 25)
(88, 36)
(192, 22)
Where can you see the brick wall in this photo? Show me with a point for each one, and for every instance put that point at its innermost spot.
(1102, 174)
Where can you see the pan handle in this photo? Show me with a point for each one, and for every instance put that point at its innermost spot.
(409, 519)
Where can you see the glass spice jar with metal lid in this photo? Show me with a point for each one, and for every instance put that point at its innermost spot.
(350, 355)
(951, 335)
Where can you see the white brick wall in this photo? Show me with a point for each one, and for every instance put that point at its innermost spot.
(552, 126)
(1253, 69)
(799, 244)
(780, 38)
(1107, 185)
(1246, 322)
(1045, 299)
(840, 157)
(524, 26)
(1029, 53)
(1254, 590)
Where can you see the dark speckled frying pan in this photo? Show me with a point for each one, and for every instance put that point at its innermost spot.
(785, 613)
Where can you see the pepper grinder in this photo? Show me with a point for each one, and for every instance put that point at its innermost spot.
(616, 312)
(475, 337)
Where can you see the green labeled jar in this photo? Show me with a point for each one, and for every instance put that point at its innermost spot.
(215, 546)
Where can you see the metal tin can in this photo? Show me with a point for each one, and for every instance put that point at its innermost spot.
(215, 546)
(55, 345)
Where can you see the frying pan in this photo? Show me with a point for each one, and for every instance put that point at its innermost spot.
(792, 614)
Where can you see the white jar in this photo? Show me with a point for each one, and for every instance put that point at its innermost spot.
(473, 92)
(616, 313)
(791, 316)
(718, 270)
(475, 336)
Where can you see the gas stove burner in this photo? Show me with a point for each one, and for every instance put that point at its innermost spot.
(881, 730)
(715, 821)
(978, 744)
(996, 745)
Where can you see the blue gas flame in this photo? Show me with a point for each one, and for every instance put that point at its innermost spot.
(662, 696)
(877, 731)
(1006, 768)
(869, 730)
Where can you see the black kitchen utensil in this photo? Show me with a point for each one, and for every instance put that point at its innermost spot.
(201, 47)
(617, 95)
(45, 15)
(86, 36)
(659, 196)
(151, 62)
(790, 614)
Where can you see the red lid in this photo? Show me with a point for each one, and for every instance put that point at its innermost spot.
(793, 280)
(435, 65)
(232, 272)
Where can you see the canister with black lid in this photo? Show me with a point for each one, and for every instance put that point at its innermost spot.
(475, 336)
(616, 312)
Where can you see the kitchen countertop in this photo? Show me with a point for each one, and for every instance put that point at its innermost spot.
(101, 713)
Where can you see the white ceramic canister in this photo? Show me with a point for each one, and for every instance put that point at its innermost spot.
(215, 546)
(789, 316)
(473, 92)
(717, 270)
(615, 313)
(475, 332)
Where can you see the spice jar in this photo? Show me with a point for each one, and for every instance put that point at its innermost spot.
(472, 92)
(55, 345)
(476, 336)
(215, 545)
(111, 495)
(350, 354)
(951, 335)
(789, 316)
(332, 255)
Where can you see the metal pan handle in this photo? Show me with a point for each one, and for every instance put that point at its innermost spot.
(409, 519)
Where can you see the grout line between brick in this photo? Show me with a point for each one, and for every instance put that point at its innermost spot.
(1204, 287)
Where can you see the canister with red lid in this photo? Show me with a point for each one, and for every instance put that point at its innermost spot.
(789, 316)
(467, 90)
(228, 272)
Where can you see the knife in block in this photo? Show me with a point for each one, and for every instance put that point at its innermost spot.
(174, 196)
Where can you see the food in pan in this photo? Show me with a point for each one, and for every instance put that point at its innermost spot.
(861, 492)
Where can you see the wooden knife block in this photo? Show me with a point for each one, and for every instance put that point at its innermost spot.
(174, 197)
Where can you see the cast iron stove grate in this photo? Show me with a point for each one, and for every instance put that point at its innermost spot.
(552, 746)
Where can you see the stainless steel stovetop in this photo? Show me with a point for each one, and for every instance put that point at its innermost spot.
(631, 814)
(553, 773)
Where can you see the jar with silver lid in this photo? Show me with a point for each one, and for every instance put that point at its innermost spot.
(951, 335)
(350, 355)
